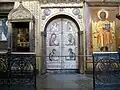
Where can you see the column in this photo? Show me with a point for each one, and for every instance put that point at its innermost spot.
(9, 35)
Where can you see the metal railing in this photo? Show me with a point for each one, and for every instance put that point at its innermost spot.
(17, 71)
(106, 70)
(79, 60)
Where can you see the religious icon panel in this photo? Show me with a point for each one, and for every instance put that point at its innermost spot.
(53, 39)
(20, 36)
(61, 44)
(53, 58)
(55, 26)
(71, 58)
(70, 39)
(103, 31)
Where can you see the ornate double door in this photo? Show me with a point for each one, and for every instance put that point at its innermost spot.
(62, 44)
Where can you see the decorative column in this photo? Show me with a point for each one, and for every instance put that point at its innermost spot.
(31, 36)
(43, 55)
(81, 53)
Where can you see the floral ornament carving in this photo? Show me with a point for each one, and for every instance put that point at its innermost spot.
(76, 11)
(61, 9)
(47, 12)
(43, 17)
(79, 16)
(20, 13)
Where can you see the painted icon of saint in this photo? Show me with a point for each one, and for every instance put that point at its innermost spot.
(103, 31)
(23, 37)
(69, 27)
(54, 27)
(71, 55)
(71, 40)
(53, 41)
(53, 56)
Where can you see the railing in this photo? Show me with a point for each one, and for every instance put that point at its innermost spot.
(17, 71)
(106, 70)
(65, 63)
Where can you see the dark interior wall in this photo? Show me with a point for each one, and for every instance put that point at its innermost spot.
(3, 45)
(5, 8)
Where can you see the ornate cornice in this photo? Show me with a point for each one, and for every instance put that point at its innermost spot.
(105, 4)
(20, 13)
(60, 1)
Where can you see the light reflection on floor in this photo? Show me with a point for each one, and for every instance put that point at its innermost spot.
(64, 82)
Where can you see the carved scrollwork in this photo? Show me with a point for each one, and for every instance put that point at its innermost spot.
(61, 9)
(20, 13)
(60, 1)
(79, 16)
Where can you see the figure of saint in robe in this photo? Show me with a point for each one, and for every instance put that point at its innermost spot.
(53, 56)
(53, 40)
(71, 55)
(103, 31)
(71, 40)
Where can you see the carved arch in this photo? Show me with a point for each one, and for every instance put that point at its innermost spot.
(20, 13)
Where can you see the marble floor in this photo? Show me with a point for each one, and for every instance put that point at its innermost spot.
(64, 82)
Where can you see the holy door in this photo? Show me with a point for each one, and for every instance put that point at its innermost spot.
(62, 44)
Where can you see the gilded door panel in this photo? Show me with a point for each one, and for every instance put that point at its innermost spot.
(62, 42)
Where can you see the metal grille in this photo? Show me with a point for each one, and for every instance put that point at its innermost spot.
(17, 71)
(106, 71)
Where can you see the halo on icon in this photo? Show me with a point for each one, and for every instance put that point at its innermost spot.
(102, 10)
